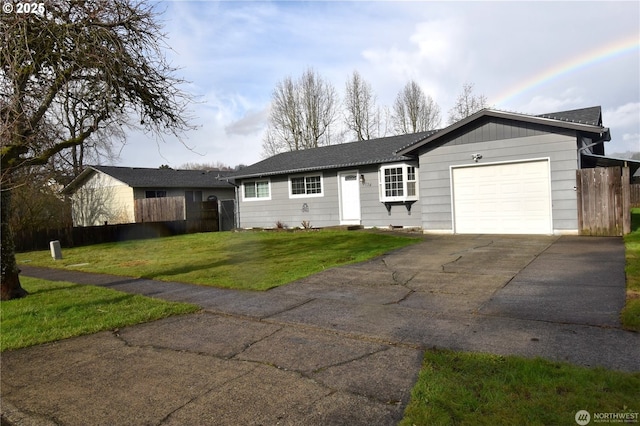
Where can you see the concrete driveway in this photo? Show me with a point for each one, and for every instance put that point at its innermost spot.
(340, 347)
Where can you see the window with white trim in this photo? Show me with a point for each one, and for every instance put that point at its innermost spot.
(398, 182)
(257, 190)
(305, 186)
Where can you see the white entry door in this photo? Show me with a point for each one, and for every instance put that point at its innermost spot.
(511, 198)
(349, 198)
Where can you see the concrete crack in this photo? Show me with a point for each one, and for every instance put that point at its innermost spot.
(204, 393)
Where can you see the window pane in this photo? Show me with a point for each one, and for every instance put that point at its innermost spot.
(262, 189)
(411, 188)
(250, 189)
(393, 182)
(297, 186)
(314, 185)
(411, 173)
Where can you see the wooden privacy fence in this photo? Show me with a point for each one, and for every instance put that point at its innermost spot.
(635, 195)
(159, 209)
(604, 201)
(157, 217)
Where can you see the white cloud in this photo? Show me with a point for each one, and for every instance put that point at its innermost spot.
(624, 115)
(235, 52)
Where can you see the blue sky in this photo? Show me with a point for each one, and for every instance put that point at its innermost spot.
(234, 53)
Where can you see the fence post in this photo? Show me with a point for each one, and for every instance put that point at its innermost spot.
(626, 201)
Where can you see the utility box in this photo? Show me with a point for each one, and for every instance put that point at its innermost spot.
(56, 251)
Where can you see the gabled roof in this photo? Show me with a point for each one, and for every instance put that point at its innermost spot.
(562, 120)
(374, 151)
(403, 147)
(139, 177)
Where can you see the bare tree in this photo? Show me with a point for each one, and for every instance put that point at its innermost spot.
(74, 116)
(466, 104)
(217, 165)
(302, 113)
(37, 202)
(359, 102)
(111, 53)
(414, 112)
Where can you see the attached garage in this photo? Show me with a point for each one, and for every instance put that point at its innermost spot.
(505, 198)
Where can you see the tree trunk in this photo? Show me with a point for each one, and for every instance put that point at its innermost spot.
(10, 287)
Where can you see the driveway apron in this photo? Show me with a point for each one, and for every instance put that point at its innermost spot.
(340, 347)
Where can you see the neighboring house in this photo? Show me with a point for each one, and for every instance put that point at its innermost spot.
(107, 194)
(492, 172)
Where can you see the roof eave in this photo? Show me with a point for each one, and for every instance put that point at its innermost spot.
(318, 168)
(589, 128)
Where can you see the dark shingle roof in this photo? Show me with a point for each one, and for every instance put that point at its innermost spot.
(139, 177)
(374, 151)
(591, 116)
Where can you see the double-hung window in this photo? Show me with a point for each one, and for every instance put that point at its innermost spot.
(257, 190)
(305, 186)
(398, 182)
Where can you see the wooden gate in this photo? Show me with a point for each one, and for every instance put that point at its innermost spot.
(604, 207)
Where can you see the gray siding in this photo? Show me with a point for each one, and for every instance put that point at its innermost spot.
(375, 214)
(319, 211)
(498, 129)
(323, 211)
(435, 179)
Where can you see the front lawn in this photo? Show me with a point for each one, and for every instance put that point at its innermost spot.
(241, 260)
(456, 388)
(631, 312)
(59, 310)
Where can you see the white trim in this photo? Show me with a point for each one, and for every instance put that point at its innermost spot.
(251, 199)
(306, 175)
(550, 231)
(381, 183)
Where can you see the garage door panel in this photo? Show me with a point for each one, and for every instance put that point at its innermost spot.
(503, 198)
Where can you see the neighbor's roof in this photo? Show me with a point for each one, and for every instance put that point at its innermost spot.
(374, 151)
(587, 120)
(139, 177)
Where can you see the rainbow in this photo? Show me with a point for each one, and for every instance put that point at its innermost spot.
(600, 54)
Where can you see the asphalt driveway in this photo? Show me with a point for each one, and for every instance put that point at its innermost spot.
(340, 347)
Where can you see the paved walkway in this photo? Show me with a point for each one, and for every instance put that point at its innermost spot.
(340, 347)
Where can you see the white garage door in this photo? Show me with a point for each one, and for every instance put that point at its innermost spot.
(513, 198)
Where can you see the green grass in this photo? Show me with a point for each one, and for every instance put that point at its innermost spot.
(59, 310)
(241, 260)
(478, 389)
(630, 316)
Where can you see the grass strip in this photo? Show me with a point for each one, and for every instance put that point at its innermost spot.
(630, 315)
(479, 389)
(59, 310)
(239, 260)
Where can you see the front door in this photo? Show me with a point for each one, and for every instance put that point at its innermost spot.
(349, 198)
